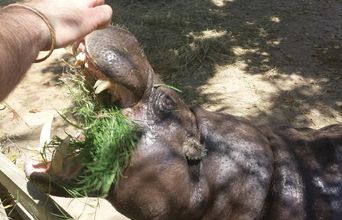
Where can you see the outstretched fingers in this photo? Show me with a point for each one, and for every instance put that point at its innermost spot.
(101, 16)
(94, 3)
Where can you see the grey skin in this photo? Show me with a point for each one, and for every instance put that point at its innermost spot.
(193, 164)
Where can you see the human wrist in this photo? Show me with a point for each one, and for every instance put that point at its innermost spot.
(32, 25)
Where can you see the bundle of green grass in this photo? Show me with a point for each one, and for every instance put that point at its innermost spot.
(108, 142)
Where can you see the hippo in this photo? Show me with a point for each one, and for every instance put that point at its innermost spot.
(190, 163)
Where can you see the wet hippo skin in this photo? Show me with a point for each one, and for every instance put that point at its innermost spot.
(193, 164)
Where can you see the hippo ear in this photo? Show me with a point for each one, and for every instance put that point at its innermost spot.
(193, 149)
(116, 53)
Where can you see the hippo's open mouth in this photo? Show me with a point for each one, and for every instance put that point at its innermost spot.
(120, 94)
(113, 57)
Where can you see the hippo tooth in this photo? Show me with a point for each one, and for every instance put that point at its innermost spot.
(80, 59)
(101, 85)
(45, 134)
(99, 82)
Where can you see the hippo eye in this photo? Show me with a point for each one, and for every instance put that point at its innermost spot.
(168, 103)
(165, 104)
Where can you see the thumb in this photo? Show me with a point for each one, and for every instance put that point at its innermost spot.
(100, 16)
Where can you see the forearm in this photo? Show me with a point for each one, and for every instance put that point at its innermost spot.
(23, 33)
(22, 36)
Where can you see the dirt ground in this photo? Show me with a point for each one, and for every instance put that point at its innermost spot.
(270, 61)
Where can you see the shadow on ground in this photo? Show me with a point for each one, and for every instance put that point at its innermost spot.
(187, 41)
(6, 2)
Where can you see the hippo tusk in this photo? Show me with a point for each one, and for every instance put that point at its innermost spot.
(80, 59)
(45, 133)
(101, 85)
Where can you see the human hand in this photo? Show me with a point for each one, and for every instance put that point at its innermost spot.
(72, 19)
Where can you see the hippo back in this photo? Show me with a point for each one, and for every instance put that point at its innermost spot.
(307, 179)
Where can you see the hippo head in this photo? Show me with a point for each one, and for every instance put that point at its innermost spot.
(115, 59)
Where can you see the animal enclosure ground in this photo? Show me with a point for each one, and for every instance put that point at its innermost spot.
(269, 61)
